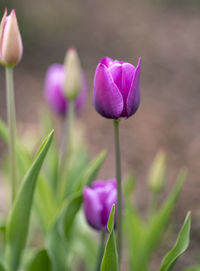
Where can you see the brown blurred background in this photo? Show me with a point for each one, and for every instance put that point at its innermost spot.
(166, 34)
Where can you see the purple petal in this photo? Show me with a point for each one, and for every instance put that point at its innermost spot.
(112, 199)
(81, 98)
(98, 183)
(107, 61)
(108, 100)
(116, 72)
(133, 99)
(113, 182)
(53, 88)
(128, 72)
(92, 208)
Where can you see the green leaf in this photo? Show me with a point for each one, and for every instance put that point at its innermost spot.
(180, 246)
(2, 267)
(111, 220)
(18, 223)
(45, 201)
(110, 257)
(22, 155)
(142, 238)
(159, 222)
(69, 213)
(57, 248)
(135, 229)
(129, 186)
(90, 172)
(40, 262)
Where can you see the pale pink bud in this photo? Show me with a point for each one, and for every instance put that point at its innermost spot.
(11, 47)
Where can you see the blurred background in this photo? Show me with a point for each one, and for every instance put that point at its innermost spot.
(165, 33)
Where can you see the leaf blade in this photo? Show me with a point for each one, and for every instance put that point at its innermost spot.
(18, 223)
(180, 246)
(110, 257)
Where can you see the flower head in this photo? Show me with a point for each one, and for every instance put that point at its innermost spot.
(98, 201)
(11, 47)
(54, 92)
(116, 88)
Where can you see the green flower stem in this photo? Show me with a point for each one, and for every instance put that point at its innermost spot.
(154, 203)
(67, 142)
(119, 187)
(12, 128)
(101, 251)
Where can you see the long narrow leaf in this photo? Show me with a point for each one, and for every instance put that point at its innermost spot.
(180, 246)
(110, 257)
(18, 223)
(90, 172)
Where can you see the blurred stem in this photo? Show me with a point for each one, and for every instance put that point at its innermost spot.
(119, 187)
(66, 145)
(154, 203)
(101, 251)
(10, 97)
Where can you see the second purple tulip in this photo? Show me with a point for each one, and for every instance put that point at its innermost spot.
(54, 93)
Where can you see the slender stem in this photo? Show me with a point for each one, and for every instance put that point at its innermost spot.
(66, 145)
(154, 203)
(100, 252)
(119, 187)
(12, 128)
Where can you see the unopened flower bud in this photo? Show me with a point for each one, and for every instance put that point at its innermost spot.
(98, 201)
(54, 92)
(116, 88)
(11, 47)
(157, 173)
(73, 74)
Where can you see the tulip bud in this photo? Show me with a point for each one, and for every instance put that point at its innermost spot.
(11, 47)
(73, 74)
(157, 173)
(54, 92)
(116, 88)
(98, 201)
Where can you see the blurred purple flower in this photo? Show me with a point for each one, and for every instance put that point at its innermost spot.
(116, 88)
(98, 201)
(54, 92)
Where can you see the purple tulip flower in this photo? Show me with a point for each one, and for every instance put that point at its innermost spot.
(54, 92)
(116, 88)
(98, 201)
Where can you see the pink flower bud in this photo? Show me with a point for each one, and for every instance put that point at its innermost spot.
(11, 47)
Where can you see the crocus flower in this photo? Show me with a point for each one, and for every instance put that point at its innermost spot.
(116, 88)
(98, 201)
(54, 92)
(11, 47)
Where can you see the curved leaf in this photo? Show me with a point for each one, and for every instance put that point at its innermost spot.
(110, 257)
(180, 246)
(18, 223)
(40, 262)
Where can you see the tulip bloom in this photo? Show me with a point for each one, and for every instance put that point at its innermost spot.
(11, 47)
(116, 88)
(54, 92)
(98, 201)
